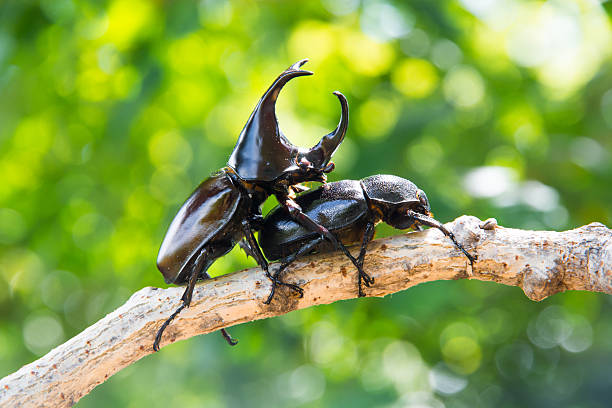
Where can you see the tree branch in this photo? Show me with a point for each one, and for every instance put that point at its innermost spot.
(542, 263)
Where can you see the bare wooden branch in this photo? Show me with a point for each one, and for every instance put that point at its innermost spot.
(542, 263)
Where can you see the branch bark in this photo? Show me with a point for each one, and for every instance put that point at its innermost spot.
(542, 263)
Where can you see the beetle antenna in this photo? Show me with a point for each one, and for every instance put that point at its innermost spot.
(432, 222)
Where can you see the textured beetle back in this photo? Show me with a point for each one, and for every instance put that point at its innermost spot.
(390, 189)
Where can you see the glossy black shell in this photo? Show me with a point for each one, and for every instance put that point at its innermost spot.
(333, 205)
(210, 212)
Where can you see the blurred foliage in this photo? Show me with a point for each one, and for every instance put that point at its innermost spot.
(111, 112)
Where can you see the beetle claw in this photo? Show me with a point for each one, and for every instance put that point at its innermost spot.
(230, 340)
(367, 279)
(276, 282)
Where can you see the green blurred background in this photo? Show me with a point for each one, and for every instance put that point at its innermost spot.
(111, 112)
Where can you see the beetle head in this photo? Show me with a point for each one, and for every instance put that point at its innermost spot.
(398, 215)
(263, 153)
(393, 197)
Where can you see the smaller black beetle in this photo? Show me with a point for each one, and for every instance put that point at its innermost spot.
(349, 209)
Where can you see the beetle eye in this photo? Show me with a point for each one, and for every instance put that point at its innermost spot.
(423, 198)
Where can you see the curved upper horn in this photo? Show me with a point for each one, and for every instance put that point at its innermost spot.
(322, 152)
(262, 151)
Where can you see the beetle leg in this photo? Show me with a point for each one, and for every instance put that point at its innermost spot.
(244, 245)
(253, 246)
(256, 252)
(163, 327)
(368, 234)
(304, 250)
(186, 298)
(276, 282)
(196, 272)
(367, 279)
(295, 211)
(228, 337)
(432, 222)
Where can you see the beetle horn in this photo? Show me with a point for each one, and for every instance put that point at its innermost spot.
(321, 154)
(262, 151)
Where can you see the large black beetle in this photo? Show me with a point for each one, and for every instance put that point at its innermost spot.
(226, 207)
(349, 209)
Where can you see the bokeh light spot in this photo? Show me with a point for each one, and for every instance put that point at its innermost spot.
(56, 287)
(581, 337)
(416, 44)
(539, 196)
(522, 124)
(325, 343)
(306, 383)
(446, 54)
(464, 87)
(340, 7)
(425, 154)
(364, 55)
(589, 154)
(41, 332)
(312, 38)
(92, 85)
(549, 328)
(377, 117)
(108, 58)
(384, 22)
(489, 181)
(170, 148)
(402, 364)
(187, 55)
(22, 269)
(514, 360)
(90, 230)
(170, 185)
(129, 20)
(445, 381)
(462, 354)
(554, 326)
(215, 13)
(221, 126)
(506, 156)
(415, 78)
(189, 100)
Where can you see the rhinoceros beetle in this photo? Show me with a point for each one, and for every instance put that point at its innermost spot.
(349, 209)
(226, 207)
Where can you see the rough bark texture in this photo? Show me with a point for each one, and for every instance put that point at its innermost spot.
(542, 263)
